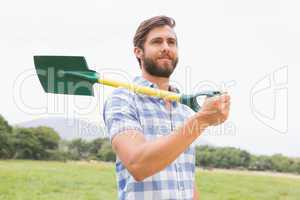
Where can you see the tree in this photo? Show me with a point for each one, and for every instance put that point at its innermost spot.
(295, 166)
(35, 143)
(26, 144)
(79, 149)
(261, 163)
(47, 137)
(6, 147)
(106, 153)
(96, 144)
(281, 163)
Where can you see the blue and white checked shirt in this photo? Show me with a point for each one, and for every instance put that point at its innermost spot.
(126, 110)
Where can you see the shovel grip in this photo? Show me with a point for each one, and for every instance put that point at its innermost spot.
(191, 100)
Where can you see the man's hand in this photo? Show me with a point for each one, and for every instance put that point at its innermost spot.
(215, 110)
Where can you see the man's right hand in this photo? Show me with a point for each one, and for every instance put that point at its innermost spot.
(215, 110)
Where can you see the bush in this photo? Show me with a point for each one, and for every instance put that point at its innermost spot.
(106, 153)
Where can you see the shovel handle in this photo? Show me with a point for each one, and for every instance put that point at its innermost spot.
(191, 100)
(172, 96)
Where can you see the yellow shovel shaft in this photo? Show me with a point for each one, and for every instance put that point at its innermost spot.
(142, 90)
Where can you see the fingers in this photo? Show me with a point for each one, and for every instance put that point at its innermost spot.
(217, 103)
(216, 109)
(224, 106)
(225, 97)
(221, 102)
(225, 103)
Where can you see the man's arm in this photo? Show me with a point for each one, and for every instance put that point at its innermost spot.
(144, 158)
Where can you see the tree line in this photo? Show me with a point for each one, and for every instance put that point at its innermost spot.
(234, 158)
(43, 143)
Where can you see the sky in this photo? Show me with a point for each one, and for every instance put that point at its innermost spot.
(248, 48)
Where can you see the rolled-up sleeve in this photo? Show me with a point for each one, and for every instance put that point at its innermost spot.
(120, 113)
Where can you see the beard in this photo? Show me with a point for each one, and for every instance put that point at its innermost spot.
(159, 70)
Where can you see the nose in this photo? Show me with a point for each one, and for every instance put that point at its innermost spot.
(165, 47)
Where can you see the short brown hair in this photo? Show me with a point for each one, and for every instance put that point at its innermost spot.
(146, 26)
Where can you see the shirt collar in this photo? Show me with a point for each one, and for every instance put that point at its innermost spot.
(139, 80)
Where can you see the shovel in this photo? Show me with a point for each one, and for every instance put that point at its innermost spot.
(70, 75)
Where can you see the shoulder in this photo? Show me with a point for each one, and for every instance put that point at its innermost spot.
(121, 99)
(119, 94)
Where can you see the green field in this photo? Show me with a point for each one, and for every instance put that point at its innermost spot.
(38, 180)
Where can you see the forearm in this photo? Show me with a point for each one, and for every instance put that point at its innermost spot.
(153, 156)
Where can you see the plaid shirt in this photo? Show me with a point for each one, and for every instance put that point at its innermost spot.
(126, 110)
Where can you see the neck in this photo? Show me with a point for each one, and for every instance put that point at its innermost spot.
(161, 82)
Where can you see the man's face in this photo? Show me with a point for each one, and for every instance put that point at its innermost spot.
(160, 52)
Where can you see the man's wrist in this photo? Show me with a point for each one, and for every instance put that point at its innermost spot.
(201, 118)
(194, 126)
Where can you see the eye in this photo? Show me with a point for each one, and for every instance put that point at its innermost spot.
(172, 42)
(157, 41)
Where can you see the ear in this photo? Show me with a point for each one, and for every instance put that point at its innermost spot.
(138, 52)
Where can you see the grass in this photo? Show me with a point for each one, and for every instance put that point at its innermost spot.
(37, 180)
(41, 180)
(247, 186)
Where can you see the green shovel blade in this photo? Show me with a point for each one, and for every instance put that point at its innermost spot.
(65, 75)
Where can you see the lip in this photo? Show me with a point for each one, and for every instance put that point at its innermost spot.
(164, 59)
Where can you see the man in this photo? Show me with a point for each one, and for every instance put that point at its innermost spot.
(152, 137)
